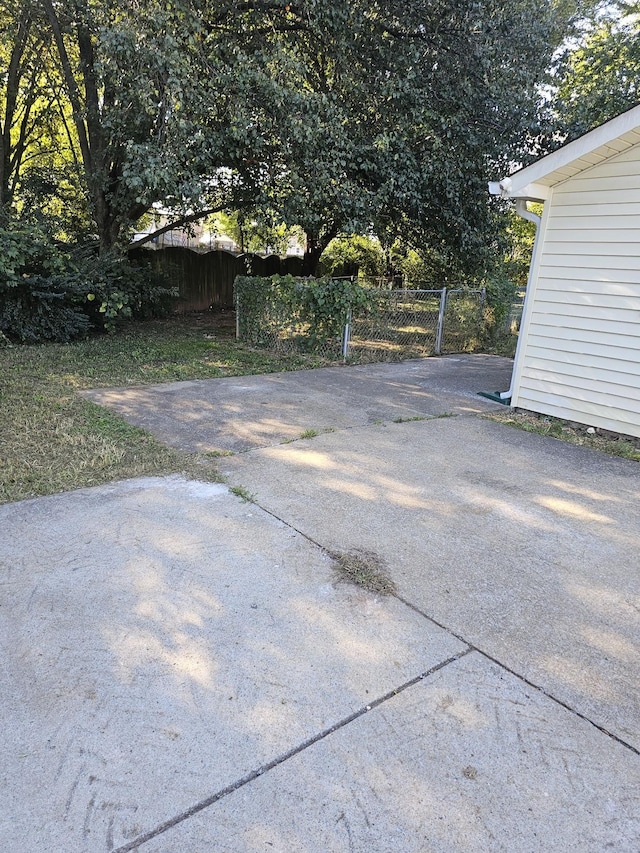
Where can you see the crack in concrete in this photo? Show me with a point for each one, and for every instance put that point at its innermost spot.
(265, 768)
(521, 677)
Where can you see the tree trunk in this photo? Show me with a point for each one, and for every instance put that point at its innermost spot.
(13, 75)
(316, 244)
(311, 259)
(86, 116)
(108, 229)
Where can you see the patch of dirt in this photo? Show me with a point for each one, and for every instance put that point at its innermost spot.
(218, 320)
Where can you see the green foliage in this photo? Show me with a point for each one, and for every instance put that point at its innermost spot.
(316, 309)
(365, 143)
(519, 236)
(256, 231)
(115, 290)
(53, 292)
(427, 268)
(38, 298)
(33, 316)
(600, 77)
(244, 494)
(353, 255)
(26, 252)
(327, 302)
(286, 314)
(350, 116)
(412, 266)
(500, 294)
(257, 300)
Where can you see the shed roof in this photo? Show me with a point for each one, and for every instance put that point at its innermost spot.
(534, 181)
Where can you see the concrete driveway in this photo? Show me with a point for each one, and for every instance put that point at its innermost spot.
(184, 671)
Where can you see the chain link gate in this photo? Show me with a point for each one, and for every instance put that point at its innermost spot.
(407, 323)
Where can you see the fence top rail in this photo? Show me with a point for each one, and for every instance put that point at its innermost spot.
(413, 290)
(408, 290)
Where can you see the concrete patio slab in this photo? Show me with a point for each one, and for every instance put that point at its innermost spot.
(160, 639)
(525, 546)
(256, 411)
(468, 759)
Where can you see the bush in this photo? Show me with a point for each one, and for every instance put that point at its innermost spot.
(115, 289)
(326, 303)
(36, 301)
(53, 292)
(34, 316)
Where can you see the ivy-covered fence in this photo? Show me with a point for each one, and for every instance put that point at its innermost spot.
(344, 319)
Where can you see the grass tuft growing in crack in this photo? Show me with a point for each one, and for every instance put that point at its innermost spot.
(244, 494)
(363, 568)
(410, 420)
(424, 418)
(309, 433)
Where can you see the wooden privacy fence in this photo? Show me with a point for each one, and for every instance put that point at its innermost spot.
(205, 280)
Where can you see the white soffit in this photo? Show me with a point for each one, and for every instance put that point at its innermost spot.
(533, 182)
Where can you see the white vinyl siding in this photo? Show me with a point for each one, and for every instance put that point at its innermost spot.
(580, 354)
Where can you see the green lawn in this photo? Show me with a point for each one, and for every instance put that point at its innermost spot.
(53, 440)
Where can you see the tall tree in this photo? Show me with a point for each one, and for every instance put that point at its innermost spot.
(29, 98)
(600, 76)
(391, 114)
(121, 82)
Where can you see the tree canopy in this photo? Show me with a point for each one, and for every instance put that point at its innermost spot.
(599, 77)
(342, 117)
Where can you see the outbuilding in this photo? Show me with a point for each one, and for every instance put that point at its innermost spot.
(578, 353)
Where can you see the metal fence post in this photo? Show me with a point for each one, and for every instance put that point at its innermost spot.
(237, 317)
(440, 329)
(346, 337)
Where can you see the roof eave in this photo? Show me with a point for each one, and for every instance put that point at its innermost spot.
(540, 176)
(529, 192)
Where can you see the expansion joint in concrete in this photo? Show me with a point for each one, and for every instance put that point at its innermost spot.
(296, 750)
(521, 677)
(480, 651)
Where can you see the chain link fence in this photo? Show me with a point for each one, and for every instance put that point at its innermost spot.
(405, 323)
(277, 315)
(387, 324)
(463, 322)
(513, 317)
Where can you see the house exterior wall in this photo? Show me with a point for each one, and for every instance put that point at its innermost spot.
(579, 357)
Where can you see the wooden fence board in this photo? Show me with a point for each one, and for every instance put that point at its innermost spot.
(205, 280)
